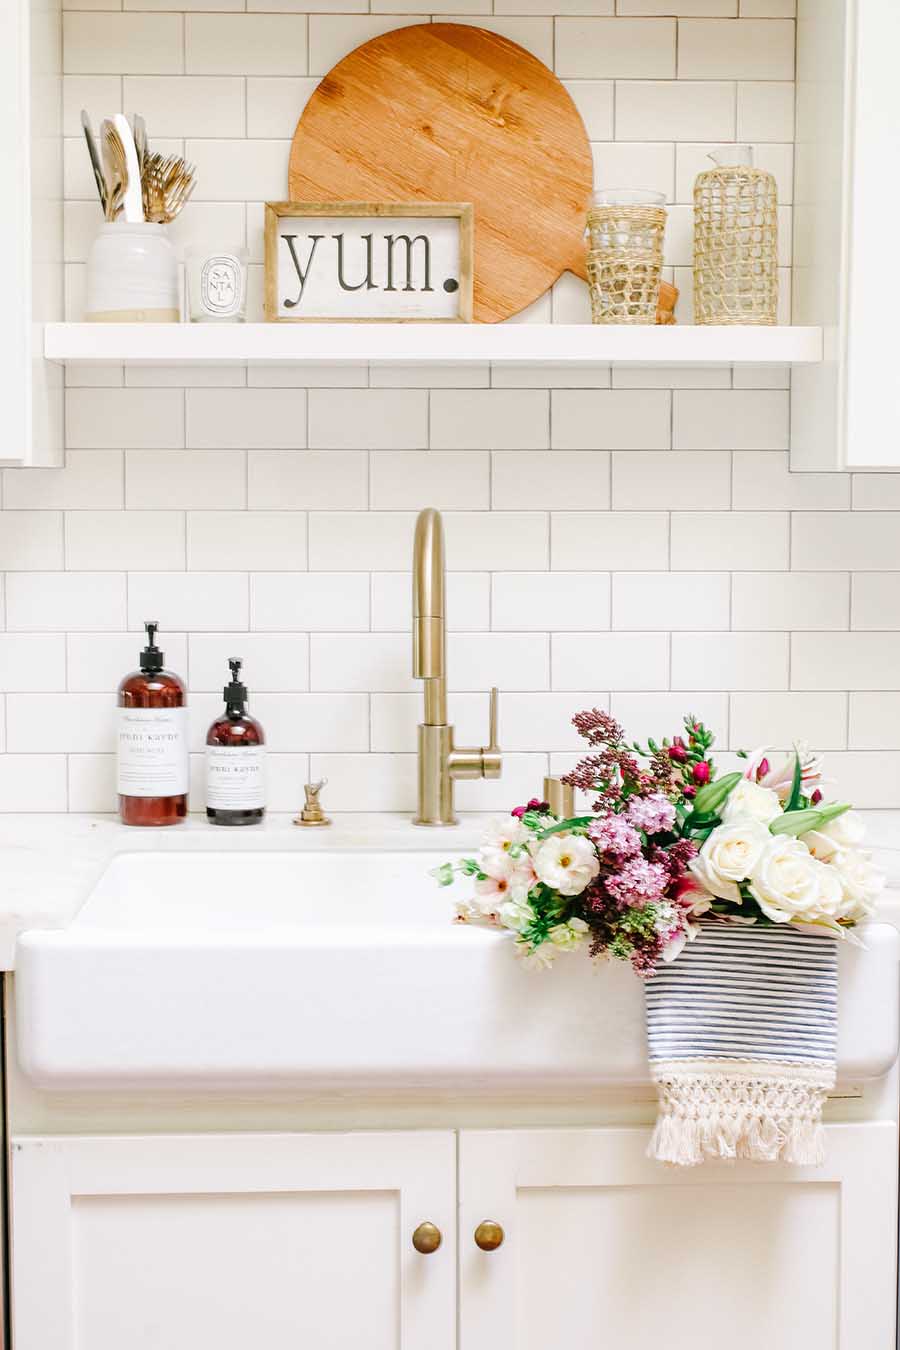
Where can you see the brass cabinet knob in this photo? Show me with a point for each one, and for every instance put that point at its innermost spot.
(489, 1235)
(427, 1238)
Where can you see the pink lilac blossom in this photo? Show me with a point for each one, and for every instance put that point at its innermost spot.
(654, 814)
(614, 838)
(638, 882)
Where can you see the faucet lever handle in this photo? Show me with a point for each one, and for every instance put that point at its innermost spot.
(491, 762)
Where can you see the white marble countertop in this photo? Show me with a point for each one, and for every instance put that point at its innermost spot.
(49, 863)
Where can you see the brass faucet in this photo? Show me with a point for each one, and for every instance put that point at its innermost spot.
(440, 763)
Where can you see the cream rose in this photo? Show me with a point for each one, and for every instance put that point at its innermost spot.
(844, 832)
(566, 863)
(791, 886)
(751, 801)
(729, 855)
(861, 884)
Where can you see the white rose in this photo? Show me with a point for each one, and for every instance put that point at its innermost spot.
(791, 886)
(729, 856)
(751, 801)
(845, 832)
(566, 863)
(861, 884)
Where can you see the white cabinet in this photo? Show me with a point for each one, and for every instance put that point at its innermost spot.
(305, 1241)
(846, 412)
(604, 1248)
(31, 235)
(233, 1241)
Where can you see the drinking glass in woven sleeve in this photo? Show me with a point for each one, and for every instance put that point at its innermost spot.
(625, 233)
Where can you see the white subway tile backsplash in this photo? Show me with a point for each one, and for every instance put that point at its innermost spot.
(273, 662)
(101, 95)
(869, 780)
(274, 105)
(610, 419)
(43, 723)
(875, 600)
(594, 101)
(32, 662)
(407, 480)
(671, 480)
(333, 36)
(768, 9)
(369, 541)
(617, 48)
(680, 8)
(636, 164)
(284, 602)
(180, 480)
(390, 419)
(251, 419)
(874, 721)
(737, 49)
(845, 661)
(730, 419)
(361, 662)
(782, 719)
(490, 419)
(313, 480)
(33, 783)
(59, 602)
(610, 661)
(678, 110)
(669, 600)
(646, 716)
(97, 662)
(790, 600)
(509, 660)
(730, 661)
(738, 539)
(92, 783)
(113, 44)
(310, 722)
(237, 170)
(490, 541)
(99, 419)
(192, 601)
(530, 480)
(763, 481)
(245, 44)
(31, 541)
(860, 542)
(367, 782)
(611, 541)
(123, 540)
(874, 491)
(765, 111)
(468, 602)
(562, 601)
(186, 105)
(264, 541)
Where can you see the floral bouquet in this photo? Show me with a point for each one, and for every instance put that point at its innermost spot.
(669, 842)
(753, 864)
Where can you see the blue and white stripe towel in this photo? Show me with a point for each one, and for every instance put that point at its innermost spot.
(742, 1036)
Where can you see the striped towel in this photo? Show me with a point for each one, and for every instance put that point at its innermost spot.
(742, 1037)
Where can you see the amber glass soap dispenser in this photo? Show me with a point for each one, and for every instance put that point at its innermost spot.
(152, 742)
(235, 760)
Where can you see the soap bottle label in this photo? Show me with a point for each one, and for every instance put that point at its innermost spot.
(153, 752)
(235, 777)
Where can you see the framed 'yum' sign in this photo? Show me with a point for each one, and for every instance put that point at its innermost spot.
(377, 261)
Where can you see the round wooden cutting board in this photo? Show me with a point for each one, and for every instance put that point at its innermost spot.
(445, 112)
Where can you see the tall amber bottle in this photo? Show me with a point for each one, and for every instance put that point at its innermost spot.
(152, 742)
(235, 760)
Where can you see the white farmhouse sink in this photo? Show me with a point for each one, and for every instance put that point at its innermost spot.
(324, 971)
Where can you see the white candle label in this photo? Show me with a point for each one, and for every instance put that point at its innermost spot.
(235, 777)
(153, 752)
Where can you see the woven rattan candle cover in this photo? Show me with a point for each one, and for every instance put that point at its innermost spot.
(735, 243)
(624, 262)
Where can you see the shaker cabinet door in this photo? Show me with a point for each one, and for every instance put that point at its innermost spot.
(604, 1249)
(280, 1242)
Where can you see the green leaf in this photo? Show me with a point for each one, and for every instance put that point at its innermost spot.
(443, 875)
(576, 823)
(796, 784)
(713, 795)
(832, 811)
(796, 822)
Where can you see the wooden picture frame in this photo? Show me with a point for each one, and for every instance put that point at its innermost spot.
(317, 274)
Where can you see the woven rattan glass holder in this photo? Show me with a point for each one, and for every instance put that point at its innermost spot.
(625, 233)
(735, 241)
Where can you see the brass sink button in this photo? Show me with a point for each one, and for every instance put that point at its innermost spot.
(489, 1235)
(427, 1238)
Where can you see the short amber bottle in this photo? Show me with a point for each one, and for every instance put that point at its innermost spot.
(152, 742)
(235, 760)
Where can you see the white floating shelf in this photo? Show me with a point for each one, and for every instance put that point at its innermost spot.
(318, 344)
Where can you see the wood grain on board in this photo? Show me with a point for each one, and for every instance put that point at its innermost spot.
(447, 112)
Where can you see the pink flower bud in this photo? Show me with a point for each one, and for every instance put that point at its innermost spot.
(763, 769)
(518, 811)
(689, 790)
(677, 753)
(700, 772)
(816, 797)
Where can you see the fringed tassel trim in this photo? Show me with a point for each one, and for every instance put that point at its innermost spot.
(764, 1117)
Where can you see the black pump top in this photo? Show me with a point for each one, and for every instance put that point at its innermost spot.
(235, 694)
(152, 659)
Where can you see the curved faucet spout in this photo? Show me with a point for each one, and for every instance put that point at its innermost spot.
(429, 621)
